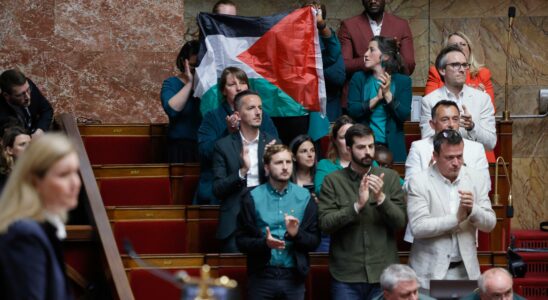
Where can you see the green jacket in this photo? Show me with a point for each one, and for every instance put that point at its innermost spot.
(475, 296)
(364, 244)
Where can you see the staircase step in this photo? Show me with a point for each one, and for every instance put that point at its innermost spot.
(531, 288)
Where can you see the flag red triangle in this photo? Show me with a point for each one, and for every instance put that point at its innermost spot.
(286, 56)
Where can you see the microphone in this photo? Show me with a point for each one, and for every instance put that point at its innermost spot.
(511, 15)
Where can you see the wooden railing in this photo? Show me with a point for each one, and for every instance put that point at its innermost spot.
(98, 215)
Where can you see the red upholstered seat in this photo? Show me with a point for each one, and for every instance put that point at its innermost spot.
(135, 191)
(152, 237)
(189, 185)
(530, 239)
(532, 288)
(537, 264)
(147, 286)
(118, 149)
(208, 242)
(484, 241)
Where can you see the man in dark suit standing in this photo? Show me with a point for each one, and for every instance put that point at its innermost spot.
(22, 100)
(238, 164)
(355, 34)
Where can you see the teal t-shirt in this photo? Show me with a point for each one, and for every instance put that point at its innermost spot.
(378, 114)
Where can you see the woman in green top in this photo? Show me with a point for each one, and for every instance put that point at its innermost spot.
(380, 97)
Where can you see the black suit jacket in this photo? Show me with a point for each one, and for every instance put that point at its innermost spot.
(31, 263)
(40, 109)
(228, 187)
(251, 240)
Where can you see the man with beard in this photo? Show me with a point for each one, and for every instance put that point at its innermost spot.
(277, 227)
(361, 207)
(446, 204)
(22, 100)
(477, 118)
(355, 34)
(237, 164)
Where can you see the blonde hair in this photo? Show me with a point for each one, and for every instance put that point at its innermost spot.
(20, 199)
(474, 64)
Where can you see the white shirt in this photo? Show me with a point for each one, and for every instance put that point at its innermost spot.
(375, 27)
(253, 171)
(56, 221)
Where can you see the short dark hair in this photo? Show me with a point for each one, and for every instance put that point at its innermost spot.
(236, 72)
(189, 49)
(238, 98)
(357, 130)
(441, 59)
(221, 2)
(389, 47)
(444, 103)
(273, 149)
(447, 136)
(11, 78)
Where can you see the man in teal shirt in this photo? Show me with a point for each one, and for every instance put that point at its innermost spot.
(361, 207)
(277, 228)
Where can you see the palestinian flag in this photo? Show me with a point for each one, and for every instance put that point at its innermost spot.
(280, 54)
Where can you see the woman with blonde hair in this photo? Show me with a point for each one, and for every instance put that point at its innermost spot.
(42, 188)
(477, 76)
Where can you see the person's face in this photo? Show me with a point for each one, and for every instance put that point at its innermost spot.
(447, 117)
(226, 9)
(59, 187)
(497, 288)
(454, 76)
(20, 143)
(306, 155)
(340, 143)
(463, 45)
(20, 95)
(404, 290)
(384, 159)
(280, 166)
(373, 7)
(372, 56)
(363, 151)
(192, 61)
(251, 111)
(232, 87)
(449, 160)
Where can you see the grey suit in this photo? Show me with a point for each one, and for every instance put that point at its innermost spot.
(433, 224)
(228, 187)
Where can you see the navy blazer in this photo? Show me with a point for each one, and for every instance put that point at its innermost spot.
(31, 263)
(41, 112)
(227, 184)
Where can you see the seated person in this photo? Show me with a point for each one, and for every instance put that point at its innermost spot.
(400, 282)
(219, 123)
(477, 76)
(381, 96)
(182, 109)
(495, 283)
(384, 158)
(238, 164)
(22, 100)
(14, 143)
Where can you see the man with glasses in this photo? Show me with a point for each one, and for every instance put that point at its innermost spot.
(446, 204)
(477, 119)
(22, 100)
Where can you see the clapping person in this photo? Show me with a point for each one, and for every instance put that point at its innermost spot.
(380, 97)
(42, 188)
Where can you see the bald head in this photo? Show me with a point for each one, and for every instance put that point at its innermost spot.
(495, 283)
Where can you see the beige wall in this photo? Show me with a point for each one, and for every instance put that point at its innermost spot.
(107, 59)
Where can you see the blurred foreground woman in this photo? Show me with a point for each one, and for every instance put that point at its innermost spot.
(42, 188)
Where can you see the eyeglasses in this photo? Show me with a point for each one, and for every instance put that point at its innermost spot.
(456, 65)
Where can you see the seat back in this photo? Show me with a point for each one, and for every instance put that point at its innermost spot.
(152, 236)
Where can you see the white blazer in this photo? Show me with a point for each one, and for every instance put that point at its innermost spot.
(478, 104)
(432, 224)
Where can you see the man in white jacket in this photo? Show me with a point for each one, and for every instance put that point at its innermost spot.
(477, 112)
(446, 204)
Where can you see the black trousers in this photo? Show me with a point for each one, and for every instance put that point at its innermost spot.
(276, 284)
